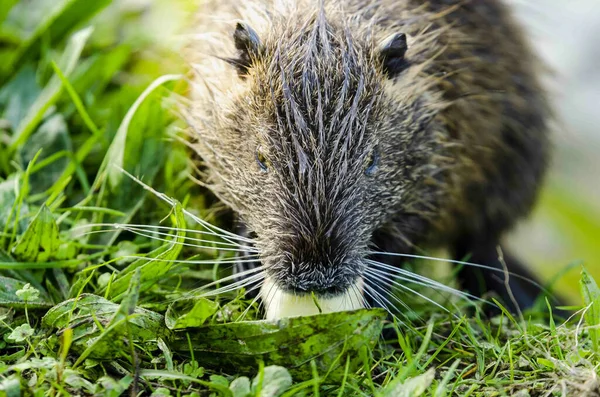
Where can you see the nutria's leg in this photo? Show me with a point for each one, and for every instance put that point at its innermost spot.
(477, 281)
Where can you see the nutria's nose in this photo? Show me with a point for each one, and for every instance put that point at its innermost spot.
(323, 263)
(322, 279)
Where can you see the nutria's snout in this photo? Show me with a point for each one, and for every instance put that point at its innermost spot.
(303, 296)
(325, 271)
(314, 262)
(324, 279)
(312, 256)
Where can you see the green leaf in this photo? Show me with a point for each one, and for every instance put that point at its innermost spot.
(51, 91)
(240, 387)
(138, 146)
(156, 374)
(591, 297)
(290, 342)
(412, 387)
(8, 295)
(53, 139)
(35, 363)
(101, 324)
(40, 241)
(124, 248)
(115, 158)
(9, 193)
(76, 381)
(114, 388)
(219, 380)
(167, 353)
(11, 386)
(28, 293)
(119, 324)
(194, 313)
(275, 380)
(95, 72)
(546, 363)
(21, 333)
(192, 369)
(129, 303)
(161, 392)
(19, 94)
(22, 275)
(30, 21)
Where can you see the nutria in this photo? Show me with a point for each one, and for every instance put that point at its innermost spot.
(338, 128)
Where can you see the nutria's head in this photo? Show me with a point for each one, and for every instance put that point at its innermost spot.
(316, 133)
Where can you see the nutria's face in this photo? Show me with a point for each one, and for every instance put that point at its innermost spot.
(315, 153)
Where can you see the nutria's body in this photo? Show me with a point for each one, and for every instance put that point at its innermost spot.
(329, 138)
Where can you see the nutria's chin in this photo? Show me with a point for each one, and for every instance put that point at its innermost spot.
(337, 128)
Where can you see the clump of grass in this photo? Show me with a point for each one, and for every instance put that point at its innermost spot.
(99, 272)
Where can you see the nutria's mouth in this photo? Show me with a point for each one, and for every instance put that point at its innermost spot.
(280, 302)
(326, 292)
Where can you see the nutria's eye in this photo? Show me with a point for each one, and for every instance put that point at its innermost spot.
(262, 161)
(372, 162)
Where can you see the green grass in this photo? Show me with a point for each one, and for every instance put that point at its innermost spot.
(88, 308)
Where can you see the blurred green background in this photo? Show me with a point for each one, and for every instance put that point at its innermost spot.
(135, 41)
(565, 227)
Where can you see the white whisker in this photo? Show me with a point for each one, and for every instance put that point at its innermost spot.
(391, 295)
(201, 262)
(174, 241)
(198, 292)
(424, 281)
(477, 265)
(118, 226)
(172, 203)
(258, 285)
(200, 240)
(207, 247)
(359, 296)
(382, 274)
(228, 278)
(379, 299)
(266, 300)
(231, 287)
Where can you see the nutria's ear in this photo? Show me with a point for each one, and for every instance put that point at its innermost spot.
(392, 51)
(247, 43)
